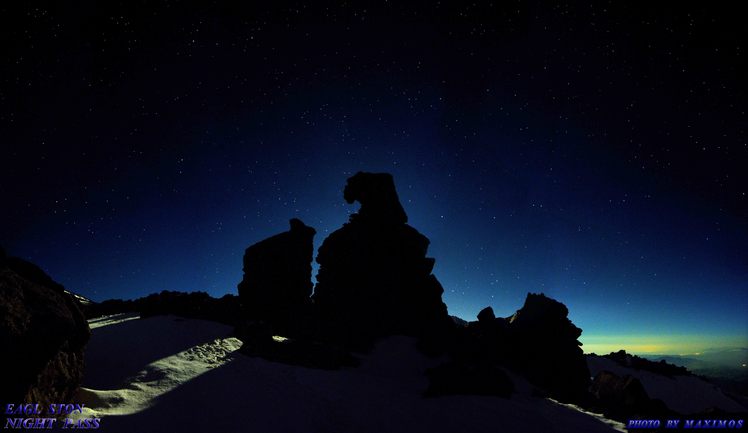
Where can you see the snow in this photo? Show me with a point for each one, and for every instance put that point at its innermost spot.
(683, 394)
(112, 319)
(81, 299)
(165, 374)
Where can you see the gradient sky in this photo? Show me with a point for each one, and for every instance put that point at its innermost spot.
(596, 153)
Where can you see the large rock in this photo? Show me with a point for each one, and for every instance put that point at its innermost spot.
(486, 316)
(374, 277)
(623, 398)
(43, 333)
(538, 341)
(544, 347)
(277, 282)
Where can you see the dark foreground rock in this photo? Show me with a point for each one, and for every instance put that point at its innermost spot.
(545, 347)
(374, 278)
(43, 333)
(538, 341)
(277, 282)
(624, 398)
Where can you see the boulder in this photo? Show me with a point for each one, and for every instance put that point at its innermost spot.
(486, 316)
(44, 332)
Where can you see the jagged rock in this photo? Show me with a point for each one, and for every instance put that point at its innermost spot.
(277, 284)
(538, 341)
(378, 197)
(486, 315)
(374, 277)
(46, 332)
(624, 397)
(544, 347)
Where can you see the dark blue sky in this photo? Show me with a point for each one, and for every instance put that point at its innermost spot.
(594, 153)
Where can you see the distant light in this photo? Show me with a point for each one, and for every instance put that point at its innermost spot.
(279, 339)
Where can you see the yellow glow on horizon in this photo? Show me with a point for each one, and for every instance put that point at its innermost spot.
(657, 344)
(602, 349)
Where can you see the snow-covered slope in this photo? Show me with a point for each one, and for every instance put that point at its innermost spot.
(112, 319)
(82, 299)
(684, 394)
(166, 374)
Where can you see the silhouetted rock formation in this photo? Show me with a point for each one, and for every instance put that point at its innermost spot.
(378, 197)
(545, 348)
(486, 316)
(623, 398)
(43, 333)
(277, 282)
(538, 341)
(374, 277)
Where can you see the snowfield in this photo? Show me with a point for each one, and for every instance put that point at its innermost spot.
(166, 374)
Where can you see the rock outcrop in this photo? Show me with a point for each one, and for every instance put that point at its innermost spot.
(624, 397)
(486, 316)
(545, 348)
(43, 332)
(538, 341)
(277, 282)
(374, 278)
(378, 198)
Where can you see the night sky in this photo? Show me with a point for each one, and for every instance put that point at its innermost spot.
(597, 153)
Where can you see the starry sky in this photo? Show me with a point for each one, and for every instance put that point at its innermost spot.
(596, 153)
